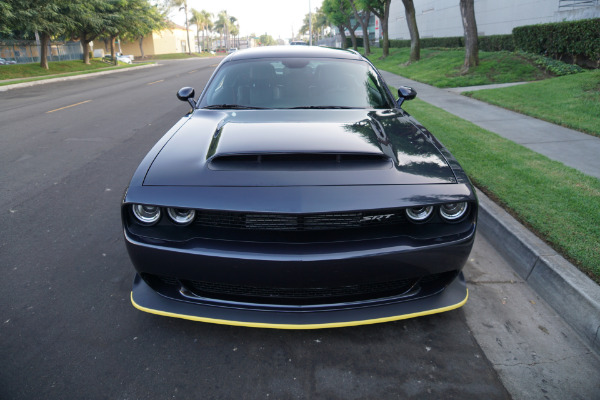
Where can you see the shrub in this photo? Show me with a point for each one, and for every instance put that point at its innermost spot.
(486, 43)
(359, 42)
(496, 43)
(556, 67)
(576, 40)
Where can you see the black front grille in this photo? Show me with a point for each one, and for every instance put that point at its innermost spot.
(299, 296)
(303, 222)
(303, 296)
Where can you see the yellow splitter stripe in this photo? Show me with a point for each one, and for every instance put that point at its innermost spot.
(72, 105)
(301, 326)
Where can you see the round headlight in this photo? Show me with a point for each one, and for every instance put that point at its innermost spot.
(453, 211)
(181, 216)
(147, 215)
(419, 214)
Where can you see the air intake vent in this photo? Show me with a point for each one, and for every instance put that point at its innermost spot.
(300, 162)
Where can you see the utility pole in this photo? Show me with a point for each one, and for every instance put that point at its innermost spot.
(309, 24)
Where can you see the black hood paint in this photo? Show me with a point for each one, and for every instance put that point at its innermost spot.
(391, 150)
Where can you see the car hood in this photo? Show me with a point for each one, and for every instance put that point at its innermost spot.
(298, 148)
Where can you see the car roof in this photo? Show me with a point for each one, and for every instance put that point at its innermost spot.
(292, 52)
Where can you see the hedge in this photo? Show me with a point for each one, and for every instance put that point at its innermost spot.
(359, 42)
(575, 39)
(486, 43)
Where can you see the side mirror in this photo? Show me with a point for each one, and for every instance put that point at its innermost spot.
(405, 93)
(187, 94)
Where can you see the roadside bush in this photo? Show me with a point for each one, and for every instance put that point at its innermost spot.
(486, 43)
(555, 67)
(496, 43)
(576, 41)
(359, 42)
(448, 42)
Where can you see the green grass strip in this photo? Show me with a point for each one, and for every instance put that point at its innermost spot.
(560, 204)
(572, 101)
(20, 73)
(441, 67)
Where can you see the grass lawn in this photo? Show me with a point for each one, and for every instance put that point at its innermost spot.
(572, 101)
(559, 203)
(32, 72)
(441, 67)
(56, 67)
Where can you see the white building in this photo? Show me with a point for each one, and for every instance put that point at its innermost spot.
(441, 18)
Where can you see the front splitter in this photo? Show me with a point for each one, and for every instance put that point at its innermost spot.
(146, 299)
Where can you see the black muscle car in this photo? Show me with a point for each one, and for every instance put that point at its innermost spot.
(298, 194)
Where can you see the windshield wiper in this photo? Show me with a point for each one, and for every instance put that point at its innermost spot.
(322, 108)
(231, 106)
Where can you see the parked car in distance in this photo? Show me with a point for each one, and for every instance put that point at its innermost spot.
(232, 50)
(298, 43)
(4, 61)
(120, 58)
(297, 194)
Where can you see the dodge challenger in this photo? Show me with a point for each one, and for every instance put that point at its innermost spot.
(297, 194)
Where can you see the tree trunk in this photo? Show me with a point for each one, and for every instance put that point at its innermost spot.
(467, 12)
(45, 39)
(142, 46)
(352, 29)
(364, 23)
(343, 35)
(415, 41)
(112, 50)
(85, 42)
(386, 40)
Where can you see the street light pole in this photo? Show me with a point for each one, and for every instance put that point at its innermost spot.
(309, 23)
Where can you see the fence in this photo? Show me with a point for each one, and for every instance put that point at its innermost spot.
(23, 51)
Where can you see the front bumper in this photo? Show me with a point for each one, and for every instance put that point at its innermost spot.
(144, 298)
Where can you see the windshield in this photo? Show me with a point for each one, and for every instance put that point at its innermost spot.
(295, 83)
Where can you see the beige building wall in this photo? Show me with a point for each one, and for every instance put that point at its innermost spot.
(128, 48)
(168, 41)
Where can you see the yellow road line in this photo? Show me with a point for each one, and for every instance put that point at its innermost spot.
(152, 83)
(191, 72)
(72, 105)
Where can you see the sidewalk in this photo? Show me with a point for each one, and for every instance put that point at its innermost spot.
(572, 148)
(574, 296)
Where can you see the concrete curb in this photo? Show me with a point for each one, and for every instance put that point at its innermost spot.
(574, 296)
(70, 78)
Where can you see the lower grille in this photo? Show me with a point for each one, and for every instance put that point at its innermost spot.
(302, 296)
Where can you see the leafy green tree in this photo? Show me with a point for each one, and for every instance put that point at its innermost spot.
(336, 14)
(91, 18)
(50, 18)
(266, 40)
(150, 18)
(381, 9)
(363, 17)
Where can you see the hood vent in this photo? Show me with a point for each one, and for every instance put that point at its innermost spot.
(300, 162)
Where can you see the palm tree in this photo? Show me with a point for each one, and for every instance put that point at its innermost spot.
(232, 28)
(183, 4)
(221, 26)
(207, 25)
(196, 20)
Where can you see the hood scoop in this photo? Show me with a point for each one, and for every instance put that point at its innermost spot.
(300, 162)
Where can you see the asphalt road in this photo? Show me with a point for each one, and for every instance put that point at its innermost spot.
(68, 330)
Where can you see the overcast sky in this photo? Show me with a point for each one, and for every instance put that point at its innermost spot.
(275, 17)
